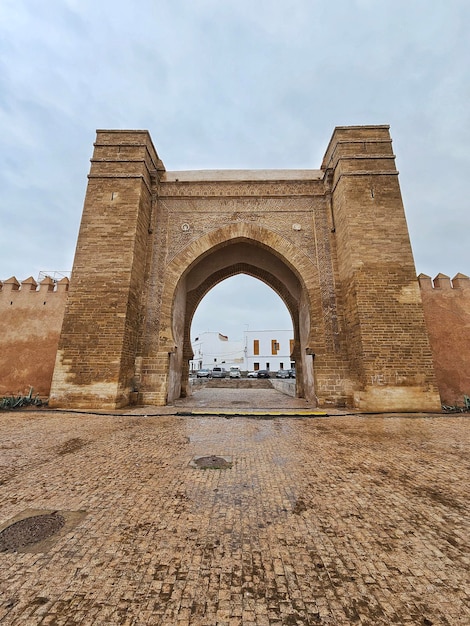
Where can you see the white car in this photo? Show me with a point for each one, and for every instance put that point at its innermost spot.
(218, 372)
(252, 375)
(235, 372)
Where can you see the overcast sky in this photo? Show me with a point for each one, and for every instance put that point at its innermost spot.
(230, 84)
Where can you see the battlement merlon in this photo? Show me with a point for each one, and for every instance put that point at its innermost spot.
(121, 153)
(13, 287)
(442, 282)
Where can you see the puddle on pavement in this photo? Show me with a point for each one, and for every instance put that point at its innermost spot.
(211, 462)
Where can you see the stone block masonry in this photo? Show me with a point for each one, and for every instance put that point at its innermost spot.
(95, 363)
(332, 242)
(31, 318)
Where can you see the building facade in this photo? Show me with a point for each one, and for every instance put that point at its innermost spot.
(213, 349)
(258, 350)
(269, 350)
(332, 242)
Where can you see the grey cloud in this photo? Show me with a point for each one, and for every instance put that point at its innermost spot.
(229, 85)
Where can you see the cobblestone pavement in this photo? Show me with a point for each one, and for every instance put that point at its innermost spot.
(209, 397)
(335, 520)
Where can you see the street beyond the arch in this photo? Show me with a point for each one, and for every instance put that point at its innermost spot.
(335, 520)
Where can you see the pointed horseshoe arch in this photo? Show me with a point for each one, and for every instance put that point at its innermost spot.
(332, 242)
(218, 255)
(219, 242)
(195, 297)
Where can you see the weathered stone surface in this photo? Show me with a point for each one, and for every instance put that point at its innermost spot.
(332, 242)
(336, 521)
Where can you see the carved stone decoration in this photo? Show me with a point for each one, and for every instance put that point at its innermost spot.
(340, 260)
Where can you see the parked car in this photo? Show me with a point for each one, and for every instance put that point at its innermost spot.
(252, 374)
(291, 373)
(282, 374)
(218, 372)
(203, 373)
(235, 372)
(263, 374)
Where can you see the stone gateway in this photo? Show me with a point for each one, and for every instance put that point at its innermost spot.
(332, 242)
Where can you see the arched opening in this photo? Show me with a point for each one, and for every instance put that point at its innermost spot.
(241, 323)
(229, 258)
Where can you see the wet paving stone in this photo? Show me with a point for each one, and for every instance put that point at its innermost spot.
(211, 462)
(341, 520)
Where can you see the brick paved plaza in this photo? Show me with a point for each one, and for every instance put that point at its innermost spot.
(336, 520)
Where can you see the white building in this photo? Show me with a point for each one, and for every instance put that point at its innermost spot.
(268, 349)
(211, 349)
(259, 350)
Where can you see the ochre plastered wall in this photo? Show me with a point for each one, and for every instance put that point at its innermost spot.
(30, 322)
(447, 313)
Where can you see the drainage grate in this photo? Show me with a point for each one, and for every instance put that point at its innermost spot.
(212, 462)
(30, 530)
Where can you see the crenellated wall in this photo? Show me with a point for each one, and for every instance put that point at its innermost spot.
(31, 317)
(446, 306)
